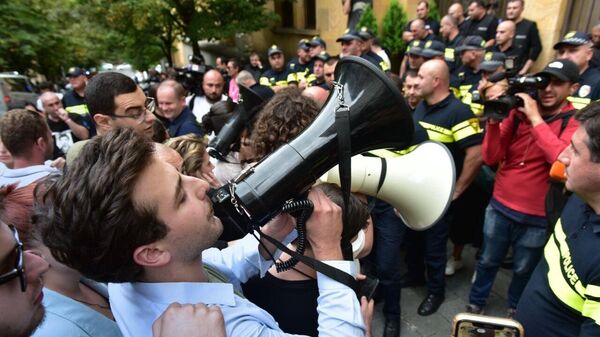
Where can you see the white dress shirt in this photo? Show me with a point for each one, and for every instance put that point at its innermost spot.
(137, 305)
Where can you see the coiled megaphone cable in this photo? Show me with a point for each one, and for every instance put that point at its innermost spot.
(301, 210)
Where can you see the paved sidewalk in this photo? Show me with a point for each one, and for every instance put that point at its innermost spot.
(457, 294)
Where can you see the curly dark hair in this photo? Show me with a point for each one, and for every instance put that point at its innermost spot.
(94, 225)
(282, 119)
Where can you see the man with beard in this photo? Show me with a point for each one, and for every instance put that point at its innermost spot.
(212, 87)
(527, 142)
(20, 285)
(526, 38)
(480, 23)
(27, 137)
(149, 230)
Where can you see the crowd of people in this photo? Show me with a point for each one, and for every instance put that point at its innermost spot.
(107, 227)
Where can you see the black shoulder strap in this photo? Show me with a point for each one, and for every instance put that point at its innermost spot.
(565, 120)
(191, 103)
(566, 117)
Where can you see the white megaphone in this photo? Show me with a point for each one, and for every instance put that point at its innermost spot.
(419, 185)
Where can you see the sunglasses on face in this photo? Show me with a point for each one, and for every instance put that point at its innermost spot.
(18, 270)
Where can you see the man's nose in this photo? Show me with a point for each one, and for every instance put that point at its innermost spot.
(35, 266)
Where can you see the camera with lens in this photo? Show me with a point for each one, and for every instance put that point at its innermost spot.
(500, 107)
(191, 75)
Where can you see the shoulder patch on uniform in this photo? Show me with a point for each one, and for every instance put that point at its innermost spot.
(584, 90)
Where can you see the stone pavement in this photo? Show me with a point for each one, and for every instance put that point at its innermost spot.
(457, 294)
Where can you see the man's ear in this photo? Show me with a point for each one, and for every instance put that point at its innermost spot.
(151, 255)
(573, 89)
(103, 122)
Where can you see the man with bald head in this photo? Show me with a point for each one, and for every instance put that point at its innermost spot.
(67, 128)
(212, 87)
(431, 25)
(527, 37)
(450, 31)
(457, 11)
(505, 34)
(452, 123)
(171, 103)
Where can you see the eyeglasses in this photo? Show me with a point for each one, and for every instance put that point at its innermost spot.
(139, 114)
(18, 270)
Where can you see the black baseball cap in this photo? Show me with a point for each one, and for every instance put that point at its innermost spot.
(75, 71)
(323, 56)
(562, 69)
(349, 35)
(304, 44)
(433, 48)
(415, 47)
(573, 38)
(318, 41)
(492, 60)
(365, 34)
(471, 42)
(274, 49)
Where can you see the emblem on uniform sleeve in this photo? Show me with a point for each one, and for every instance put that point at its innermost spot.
(584, 90)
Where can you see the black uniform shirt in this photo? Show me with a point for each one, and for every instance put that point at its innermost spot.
(486, 27)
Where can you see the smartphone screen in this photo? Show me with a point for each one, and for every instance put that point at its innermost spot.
(470, 329)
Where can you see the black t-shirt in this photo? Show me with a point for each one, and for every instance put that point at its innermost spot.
(64, 138)
(514, 52)
(429, 24)
(486, 27)
(527, 40)
(293, 304)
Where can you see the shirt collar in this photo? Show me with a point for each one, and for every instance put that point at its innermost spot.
(183, 292)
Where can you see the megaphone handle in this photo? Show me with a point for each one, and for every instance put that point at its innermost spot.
(317, 265)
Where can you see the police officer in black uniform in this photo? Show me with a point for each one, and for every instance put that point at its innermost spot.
(577, 47)
(299, 67)
(450, 122)
(505, 44)
(480, 23)
(466, 78)
(451, 34)
(367, 39)
(275, 78)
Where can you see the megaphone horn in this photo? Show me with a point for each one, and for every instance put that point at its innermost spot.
(243, 112)
(419, 184)
(378, 118)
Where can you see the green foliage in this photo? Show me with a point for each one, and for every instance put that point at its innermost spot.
(367, 19)
(49, 36)
(393, 25)
(219, 19)
(434, 12)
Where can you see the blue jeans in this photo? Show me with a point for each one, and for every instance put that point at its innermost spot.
(389, 233)
(500, 232)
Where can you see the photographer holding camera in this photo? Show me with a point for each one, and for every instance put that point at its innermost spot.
(525, 144)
